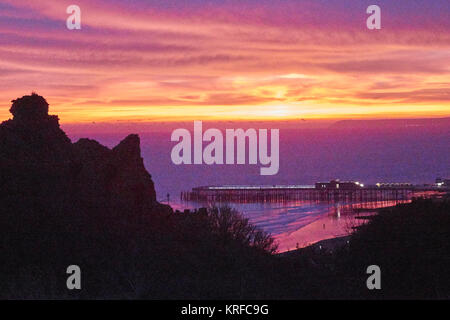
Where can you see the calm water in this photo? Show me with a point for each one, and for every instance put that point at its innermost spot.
(403, 154)
(413, 155)
(300, 223)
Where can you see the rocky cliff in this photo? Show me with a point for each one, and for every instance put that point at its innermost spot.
(38, 160)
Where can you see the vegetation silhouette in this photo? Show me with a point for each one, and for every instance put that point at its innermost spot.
(81, 203)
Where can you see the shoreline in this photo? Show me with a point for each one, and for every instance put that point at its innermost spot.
(330, 244)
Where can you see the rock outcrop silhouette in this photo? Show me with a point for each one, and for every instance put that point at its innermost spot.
(37, 159)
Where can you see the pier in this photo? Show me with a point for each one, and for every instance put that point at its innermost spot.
(333, 191)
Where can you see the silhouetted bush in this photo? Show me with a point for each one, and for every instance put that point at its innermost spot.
(230, 225)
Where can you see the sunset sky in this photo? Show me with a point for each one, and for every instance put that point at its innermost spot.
(249, 59)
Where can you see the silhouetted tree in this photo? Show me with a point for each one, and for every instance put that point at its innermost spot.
(231, 225)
